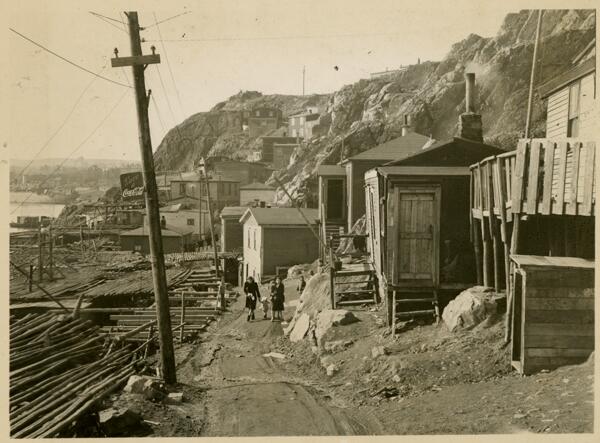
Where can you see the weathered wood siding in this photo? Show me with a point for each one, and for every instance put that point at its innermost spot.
(558, 309)
(558, 114)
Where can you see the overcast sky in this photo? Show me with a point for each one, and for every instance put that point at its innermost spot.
(215, 50)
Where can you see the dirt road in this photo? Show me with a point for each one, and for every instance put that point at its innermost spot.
(249, 394)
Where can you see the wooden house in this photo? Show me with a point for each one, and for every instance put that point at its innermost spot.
(276, 237)
(231, 228)
(332, 201)
(255, 193)
(173, 240)
(554, 312)
(418, 225)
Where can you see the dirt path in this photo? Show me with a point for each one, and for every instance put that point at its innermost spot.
(248, 394)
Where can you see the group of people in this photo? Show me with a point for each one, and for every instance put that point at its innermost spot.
(274, 302)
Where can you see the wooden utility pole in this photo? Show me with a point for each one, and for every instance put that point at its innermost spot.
(50, 257)
(204, 175)
(532, 77)
(40, 254)
(138, 62)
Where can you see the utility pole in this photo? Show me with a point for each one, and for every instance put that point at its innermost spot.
(303, 78)
(40, 253)
(202, 171)
(532, 78)
(138, 62)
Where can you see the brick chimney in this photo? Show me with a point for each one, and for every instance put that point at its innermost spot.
(469, 123)
(405, 124)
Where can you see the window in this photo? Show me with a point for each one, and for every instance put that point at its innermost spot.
(270, 113)
(182, 188)
(255, 240)
(137, 248)
(258, 113)
(573, 123)
(248, 237)
(190, 222)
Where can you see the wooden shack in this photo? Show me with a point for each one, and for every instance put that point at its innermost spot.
(415, 254)
(553, 321)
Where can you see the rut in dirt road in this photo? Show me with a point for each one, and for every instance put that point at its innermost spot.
(249, 395)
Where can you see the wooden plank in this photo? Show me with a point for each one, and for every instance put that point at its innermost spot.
(532, 181)
(588, 178)
(560, 352)
(581, 317)
(517, 182)
(560, 303)
(534, 364)
(135, 60)
(548, 173)
(568, 329)
(558, 341)
(560, 169)
(556, 278)
(560, 292)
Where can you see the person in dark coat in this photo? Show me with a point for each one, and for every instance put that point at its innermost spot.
(301, 285)
(278, 299)
(252, 295)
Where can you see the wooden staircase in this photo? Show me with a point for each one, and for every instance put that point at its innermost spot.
(410, 303)
(333, 231)
(354, 285)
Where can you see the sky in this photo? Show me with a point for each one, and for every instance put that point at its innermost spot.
(210, 52)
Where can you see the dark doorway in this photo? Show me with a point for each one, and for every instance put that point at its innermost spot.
(335, 199)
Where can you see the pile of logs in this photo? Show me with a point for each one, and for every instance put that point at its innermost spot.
(60, 369)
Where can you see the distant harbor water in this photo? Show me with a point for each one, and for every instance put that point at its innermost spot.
(28, 204)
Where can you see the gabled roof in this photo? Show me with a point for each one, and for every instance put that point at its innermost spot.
(257, 186)
(233, 211)
(280, 216)
(568, 77)
(393, 149)
(456, 151)
(331, 170)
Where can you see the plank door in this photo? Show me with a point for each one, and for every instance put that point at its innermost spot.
(416, 235)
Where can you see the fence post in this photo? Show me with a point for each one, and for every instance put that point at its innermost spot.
(181, 331)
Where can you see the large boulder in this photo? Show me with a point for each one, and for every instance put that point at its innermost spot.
(329, 318)
(300, 328)
(469, 308)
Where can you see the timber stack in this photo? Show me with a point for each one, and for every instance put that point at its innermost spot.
(60, 369)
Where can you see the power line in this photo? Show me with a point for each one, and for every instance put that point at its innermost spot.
(275, 37)
(158, 114)
(106, 20)
(67, 60)
(85, 140)
(166, 96)
(167, 19)
(169, 65)
(61, 125)
(106, 17)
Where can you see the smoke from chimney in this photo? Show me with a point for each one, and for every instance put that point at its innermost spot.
(469, 91)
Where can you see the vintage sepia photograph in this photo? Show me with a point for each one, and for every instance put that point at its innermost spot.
(268, 218)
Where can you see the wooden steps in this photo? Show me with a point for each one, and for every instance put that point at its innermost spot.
(412, 303)
(348, 291)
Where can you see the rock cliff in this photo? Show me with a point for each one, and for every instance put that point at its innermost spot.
(370, 112)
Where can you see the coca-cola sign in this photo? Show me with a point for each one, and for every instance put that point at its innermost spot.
(132, 186)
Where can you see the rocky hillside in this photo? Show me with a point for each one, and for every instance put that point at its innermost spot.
(369, 112)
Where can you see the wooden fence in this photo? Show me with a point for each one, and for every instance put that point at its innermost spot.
(541, 177)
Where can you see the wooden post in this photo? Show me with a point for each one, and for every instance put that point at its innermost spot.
(181, 331)
(81, 239)
(40, 254)
(148, 341)
(30, 277)
(210, 215)
(393, 313)
(477, 248)
(514, 247)
(50, 258)
(496, 249)
(532, 77)
(331, 273)
(138, 63)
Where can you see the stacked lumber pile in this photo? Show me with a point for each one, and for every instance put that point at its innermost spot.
(59, 370)
(137, 283)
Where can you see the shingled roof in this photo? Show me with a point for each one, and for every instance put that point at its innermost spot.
(393, 149)
(280, 216)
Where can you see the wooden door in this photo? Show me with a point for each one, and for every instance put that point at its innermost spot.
(416, 233)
